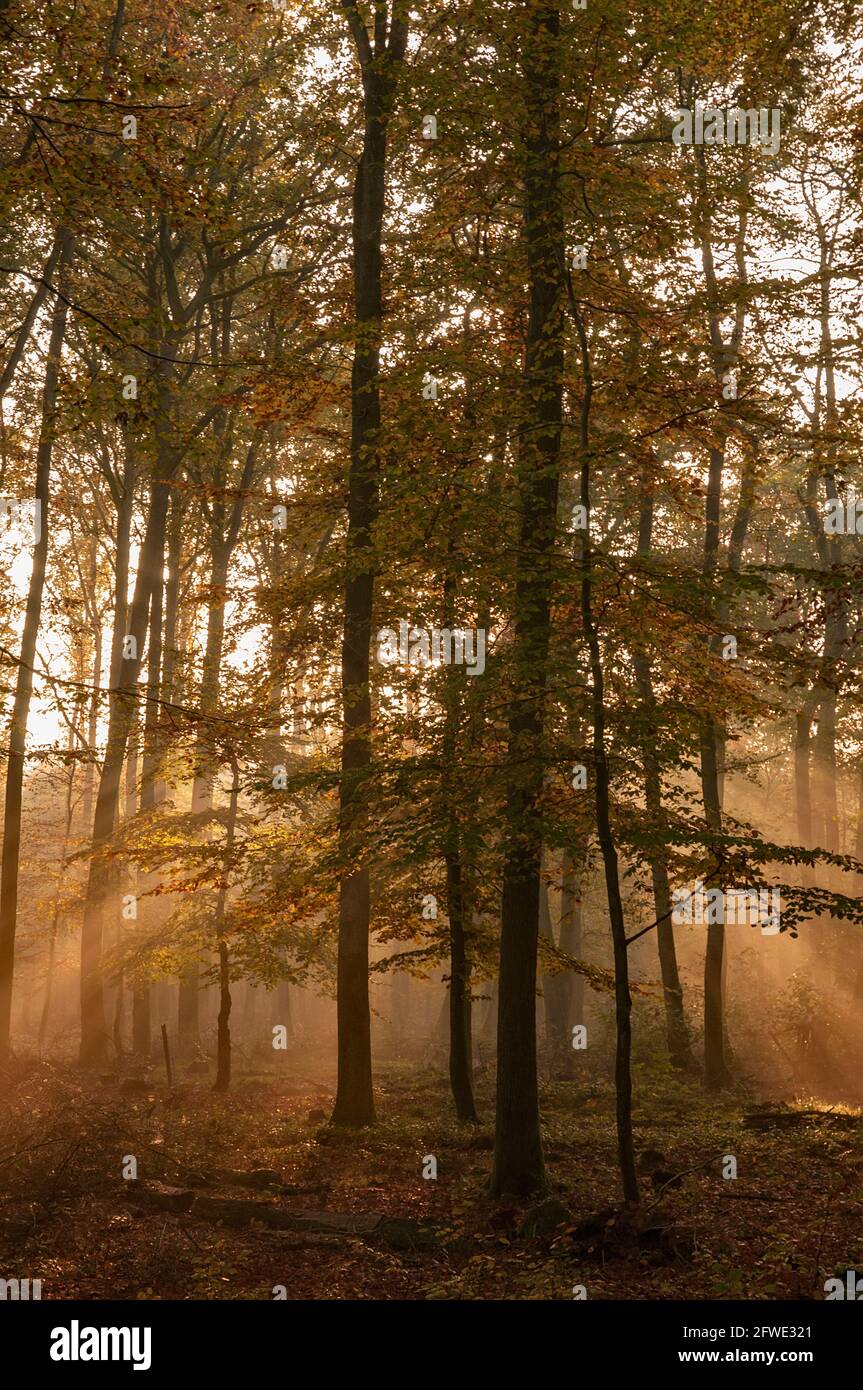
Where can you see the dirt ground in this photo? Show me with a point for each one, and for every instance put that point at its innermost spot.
(790, 1218)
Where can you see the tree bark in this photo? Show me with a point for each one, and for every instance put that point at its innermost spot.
(55, 910)
(676, 1031)
(354, 1103)
(602, 783)
(518, 1162)
(460, 1046)
(93, 715)
(124, 695)
(622, 997)
(9, 865)
(563, 991)
(460, 1043)
(223, 1030)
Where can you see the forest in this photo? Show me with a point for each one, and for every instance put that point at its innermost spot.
(430, 644)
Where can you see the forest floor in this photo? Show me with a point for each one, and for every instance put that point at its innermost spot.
(790, 1219)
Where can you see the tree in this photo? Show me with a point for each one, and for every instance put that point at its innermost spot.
(379, 57)
(518, 1163)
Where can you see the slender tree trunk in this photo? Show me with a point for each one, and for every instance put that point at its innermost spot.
(224, 533)
(119, 1015)
(602, 782)
(826, 792)
(571, 941)
(460, 1048)
(142, 1038)
(93, 717)
(223, 1030)
(128, 874)
(802, 785)
(49, 982)
(55, 910)
(170, 650)
(141, 1000)
(622, 997)
(553, 998)
(189, 994)
(284, 1009)
(57, 258)
(563, 991)
(152, 716)
(716, 1074)
(725, 357)
(142, 990)
(835, 620)
(488, 1030)
(460, 1044)
(354, 1103)
(676, 1031)
(13, 801)
(172, 645)
(858, 854)
(518, 1162)
(123, 703)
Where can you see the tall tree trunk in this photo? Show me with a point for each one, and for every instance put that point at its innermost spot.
(622, 997)
(488, 1029)
(460, 1047)
(24, 679)
(824, 779)
(802, 784)
(716, 1073)
(725, 357)
(835, 617)
(149, 796)
(223, 1030)
(93, 717)
(563, 991)
(57, 258)
(553, 999)
(170, 647)
(283, 1013)
(123, 705)
(129, 875)
(142, 1039)
(224, 533)
(354, 1103)
(571, 941)
(518, 1161)
(602, 784)
(55, 910)
(858, 854)
(676, 1031)
(460, 1044)
(189, 994)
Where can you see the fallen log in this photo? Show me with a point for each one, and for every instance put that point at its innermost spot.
(789, 1119)
(399, 1232)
